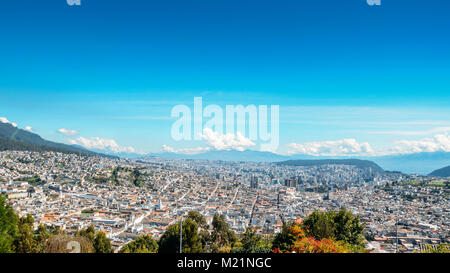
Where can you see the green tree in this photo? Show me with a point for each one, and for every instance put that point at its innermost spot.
(198, 219)
(102, 244)
(251, 242)
(142, 244)
(136, 178)
(340, 226)
(348, 228)
(8, 226)
(284, 240)
(89, 233)
(170, 240)
(25, 241)
(99, 240)
(203, 227)
(41, 236)
(320, 225)
(222, 237)
(441, 248)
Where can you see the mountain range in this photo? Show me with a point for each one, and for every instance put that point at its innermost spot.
(419, 163)
(13, 138)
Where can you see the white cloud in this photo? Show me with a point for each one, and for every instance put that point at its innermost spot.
(350, 147)
(68, 132)
(215, 141)
(188, 151)
(101, 144)
(414, 133)
(438, 143)
(168, 149)
(227, 142)
(28, 128)
(343, 147)
(5, 120)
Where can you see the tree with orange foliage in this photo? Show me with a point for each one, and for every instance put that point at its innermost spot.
(300, 243)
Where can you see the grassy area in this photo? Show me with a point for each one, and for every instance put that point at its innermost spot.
(88, 211)
(34, 180)
(412, 183)
(437, 183)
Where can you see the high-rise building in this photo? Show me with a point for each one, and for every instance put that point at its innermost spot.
(254, 182)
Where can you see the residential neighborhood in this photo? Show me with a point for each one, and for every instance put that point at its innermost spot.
(127, 198)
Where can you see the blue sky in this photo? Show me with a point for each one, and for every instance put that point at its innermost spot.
(338, 69)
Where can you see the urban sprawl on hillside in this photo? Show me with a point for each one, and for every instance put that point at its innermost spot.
(128, 198)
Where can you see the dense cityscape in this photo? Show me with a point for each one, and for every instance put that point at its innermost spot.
(128, 198)
(224, 136)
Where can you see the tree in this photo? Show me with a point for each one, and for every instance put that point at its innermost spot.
(340, 226)
(136, 178)
(170, 240)
(251, 242)
(442, 248)
(89, 233)
(24, 241)
(348, 228)
(102, 244)
(198, 219)
(142, 244)
(99, 240)
(310, 245)
(203, 227)
(41, 236)
(305, 244)
(222, 237)
(320, 225)
(285, 239)
(8, 226)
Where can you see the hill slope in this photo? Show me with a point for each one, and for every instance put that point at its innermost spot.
(444, 172)
(362, 164)
(12, 138)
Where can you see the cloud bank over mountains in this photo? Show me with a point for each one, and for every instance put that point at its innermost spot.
(186, 151)
(101, 144)
(438, 143)
(68, 132)
(214, 141)
(217, 142)
(345, 147)
(332, 148)
(5, 120)
(350, 147)
(226, 142)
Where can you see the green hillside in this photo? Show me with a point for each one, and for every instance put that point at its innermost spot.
(362, 164)
(444, 172)
(12, 138)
